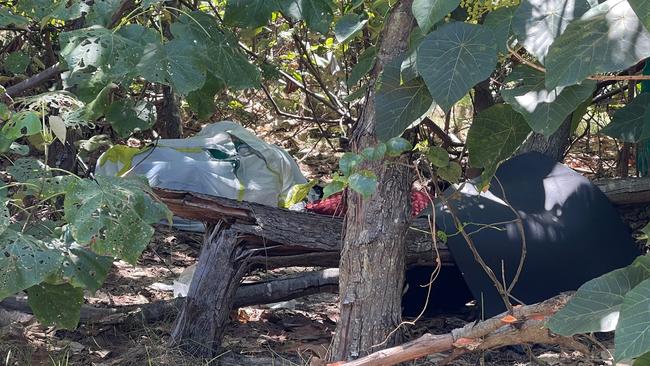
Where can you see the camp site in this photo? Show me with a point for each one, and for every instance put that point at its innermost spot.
(325, 182)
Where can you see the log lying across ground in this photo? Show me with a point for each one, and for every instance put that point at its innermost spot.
(263, 292)
(290, 238)
(626, 191)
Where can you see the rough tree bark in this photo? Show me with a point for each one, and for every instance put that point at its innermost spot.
(373, 251)
(199, 326)
(554, 146)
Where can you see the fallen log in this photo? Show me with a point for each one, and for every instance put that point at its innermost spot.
(290, 238)
(262, 292)
(526, 327)
(626, 191)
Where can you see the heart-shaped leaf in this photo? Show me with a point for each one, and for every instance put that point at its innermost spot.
(454, 58)
(596, 305)
(537, 23)
(607, 38)
(363, 182)
(632, 122)
(495, 134)
(398, 104)
(429, 12)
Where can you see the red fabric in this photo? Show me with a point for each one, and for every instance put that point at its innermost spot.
(333, 205)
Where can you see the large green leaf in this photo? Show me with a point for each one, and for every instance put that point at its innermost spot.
(83, 268)
(495, 134)
(596, 305)
(24, 262)
(25, 169)
(642, 10)
(317, 14)
(221, 55)
(398, 104)
(643, 360)
(8, 18)
(177, 63)
(454, 58)
(202, 101)
(126, 118)
(97, 48)
(250, 13)
(348, 162)
(500, 22)
(58, 305)
(429, 12)
(537, 23)
(632, 122)
(543, 109)
(21, 124)
(17, 62)
(348, 26)
(364, 64)
(607, 38)
(44, 10)
(113, 215)
(102, 12)
(633, 330)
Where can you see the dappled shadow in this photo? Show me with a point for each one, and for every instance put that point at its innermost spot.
(572, 232)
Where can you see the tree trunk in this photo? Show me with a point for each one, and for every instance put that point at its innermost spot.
(555, 146)
(201, 322)
(373, 251)
(169, 124)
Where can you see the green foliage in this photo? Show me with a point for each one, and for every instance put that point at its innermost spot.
(317, 14)
(616, 300)
(537, 23)
(17, 62)
(25, 261)
(455, 57)
(7, 17)
(250, 13)
(58, 305)
(429, 12)
(607, 38)
(348, 26)
(363, 182)
(337, 185)
(113, 215)
(374, 153)
(364, 65)
(450, 172)
(642, 10)
(126, 118)
(632, 122)
(398, 104)
(544, 109)
(493, 137)
(500, 22)
(396, 146)
(438, 156)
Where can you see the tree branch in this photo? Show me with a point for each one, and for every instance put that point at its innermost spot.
(488, 334)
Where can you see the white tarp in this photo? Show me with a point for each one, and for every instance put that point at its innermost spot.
(223, 159)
